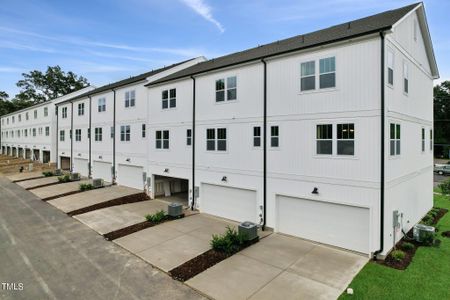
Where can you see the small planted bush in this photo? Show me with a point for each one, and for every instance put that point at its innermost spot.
(48, 174)
(229, 242)
(445, 187)
(156, 217)
(86, 186)
(398, 255)
(64, 178)
(406, 246)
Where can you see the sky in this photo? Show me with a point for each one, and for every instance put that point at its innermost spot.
(109, 40)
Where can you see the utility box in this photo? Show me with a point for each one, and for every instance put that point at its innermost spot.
(58, 172)
(75, 176)
(97, 183)
(249, 229)
(422, 232)
(175, 209)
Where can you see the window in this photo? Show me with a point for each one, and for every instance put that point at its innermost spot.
(130, 99)
(25, 133)
(35, 114)
(274, 136)
(390, 67)
(423, 139)
(345, 139)
(20, 118)
(81, 109)
(34, 131)
(256, 136)
(18, 133)
(169, 98)
(415, 30)
(78, 135)
(324, 139)
(216, 139)
(327, 77)
(64, 112)
(88, 133)
(98, 134)
(62, 134)
(70, 134)
(405, 78)
(125, 133)
(431, 139)
(27, 116)
(229, 86)
(394, 139)
(112, 132)
(143, 130)
(188, 137)
(308, 76)
(45, 111)
(47, 131)
(13, 119)
(40, 130)
(162, 139)
(101, 104)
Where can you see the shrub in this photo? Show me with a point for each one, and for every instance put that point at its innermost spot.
(86, 186)
(47, 174)
(398, 255)
(407, 246)
(229, 242)
(445, 187)
(64, 178)
(156, 217)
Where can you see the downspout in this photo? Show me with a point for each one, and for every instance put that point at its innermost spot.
(193, 143)
(382, 120)
(57, 136)
(114, 139)
(264, 144)
(90, 137)
(71, 137)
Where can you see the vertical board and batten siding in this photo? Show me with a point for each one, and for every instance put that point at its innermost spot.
(81, 148)
(104, 120)
(241, 163)
(64, 124)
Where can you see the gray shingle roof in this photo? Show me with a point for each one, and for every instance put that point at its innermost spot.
(348, 30)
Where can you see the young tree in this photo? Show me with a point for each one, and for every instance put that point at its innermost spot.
(39, 87)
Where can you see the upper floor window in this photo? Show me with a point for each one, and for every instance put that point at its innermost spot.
(394, 139)
(13, 119)
(101, 104)
(415, 30)
(346, 139)
(98, 134)
(80, 109)
(45, 111)
(405, 78)
(62, 135)
(130, 98)
(431, 139)
(78, 135)
(188, 137)
(169, 98)
(47, 131)
(257, 136)
(216, 139)
(423, 139)
(64, 112)
(40, 130)
(25, 133)
(326, 76)
(390, 67)
(162, 139)
(324, 139)
(274, 136)
(20, 118)
(226, 90)
(35, 114)
(125, 133)
(308, 76)
(144, 129)
(34, 131)
(27, 116)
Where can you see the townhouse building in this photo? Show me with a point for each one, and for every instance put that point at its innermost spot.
(326, 136)
(30, 133)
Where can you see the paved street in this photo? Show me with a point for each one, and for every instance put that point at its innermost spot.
(439, 179)
(56, 257)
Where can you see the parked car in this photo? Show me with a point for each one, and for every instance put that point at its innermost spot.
(442, 169)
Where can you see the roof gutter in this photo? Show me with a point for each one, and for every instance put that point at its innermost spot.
(382, 154)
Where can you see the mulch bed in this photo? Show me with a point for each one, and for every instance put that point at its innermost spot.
(118, 201)
(135, 228)
(203, 262)
(389, 261)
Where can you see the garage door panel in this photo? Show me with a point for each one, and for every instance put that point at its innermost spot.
(102, 170)
(81, 166)
(227, 202)
(335, 224)
(130, 176)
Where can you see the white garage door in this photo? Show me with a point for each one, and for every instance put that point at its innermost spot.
(81, 166)
(130, 176)
(102, 170)
(230, 203)
(334, 224)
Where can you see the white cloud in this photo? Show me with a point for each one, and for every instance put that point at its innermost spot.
(204, 10)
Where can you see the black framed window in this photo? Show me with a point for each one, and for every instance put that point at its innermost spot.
(324, 139)
(346, 139)
(274, 136)
(257, 136)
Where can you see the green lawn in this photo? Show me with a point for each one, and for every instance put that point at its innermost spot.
(427, 277)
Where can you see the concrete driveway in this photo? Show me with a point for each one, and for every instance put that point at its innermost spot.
(33, 183)
(81, 200)
(173, 243)
(58, 189)
(25, 175)
(281, 267)
(116, 217)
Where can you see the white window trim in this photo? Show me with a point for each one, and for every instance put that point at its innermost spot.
(423, 140)
(120, 134)
(334, 148)
(162, 139)
(317, 74)
(168, 99)
(395, 156)
(261, 140)
(215, 151)
(405, 71)
(225, 99)
(389, 50)
(128, 93)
